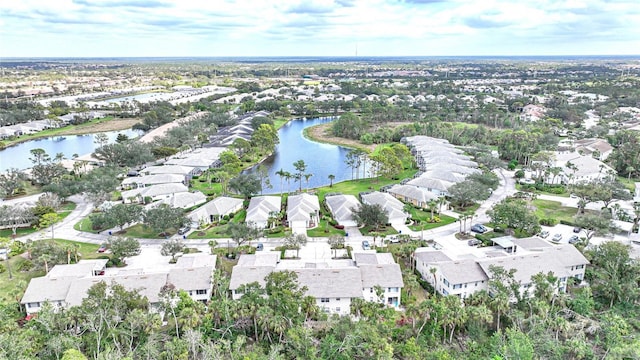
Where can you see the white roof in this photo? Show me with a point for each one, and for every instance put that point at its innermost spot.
(341, 205)
(260, 208)
(300, 207)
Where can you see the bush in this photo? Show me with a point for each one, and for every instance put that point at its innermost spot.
(17, 248)
(24, 266)
(225, 217)
(565, 222)
(2, 268)
(549, 222)
(275, 230)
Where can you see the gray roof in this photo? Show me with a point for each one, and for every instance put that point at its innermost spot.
(299, 207)
(430, 256)
(526, 266)
(168, 169)
(461, 272)
(331, 282)
(567, 254)
(261, 206)
(242, 275)
(443, 174)
(413, 192)
(385, 275)
(393, 207)
(146, 285)
(268, 258)
(191, 278)
(155, 179)
(196, 260)
(430, 183)
(156, 190)
(43, 289)
(183, 200)
(219, 206)
(365, 258)
(531, 243)
(340, 206)
(81, 269)
(504, 241)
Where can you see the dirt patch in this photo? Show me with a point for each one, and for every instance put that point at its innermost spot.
(322, 133)
(107, 125)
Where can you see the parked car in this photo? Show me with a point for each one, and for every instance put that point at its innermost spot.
(556, 238)
(544, 234)
(574, 239)
(393, 239)
(365, 245)
(474, 242)
(183, 230)
(259, 247)
(102, 248)
(479, 228)
(577, 229)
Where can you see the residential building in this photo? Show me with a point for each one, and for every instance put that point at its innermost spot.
(414, 195)
(154, 192)
(67, 285)
(261, 209)
(393, 207)
(579, 168)
(215, 210)
(303, 212)
(341, 208)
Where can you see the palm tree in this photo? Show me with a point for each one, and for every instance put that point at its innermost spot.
(432, 206)
(331, 178)
(282, 174)
(288, 176)
(307, 177)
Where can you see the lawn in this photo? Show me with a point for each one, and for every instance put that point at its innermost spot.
(12, 289)
(85, 225)
(206, 188)
(142, 232)
(444, 220)
(320, 230)
(546, 209)
(354, 187)
(56, 131)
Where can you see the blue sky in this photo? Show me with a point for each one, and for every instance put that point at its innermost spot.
(99, 28)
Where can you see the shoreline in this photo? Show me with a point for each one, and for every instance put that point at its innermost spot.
(320, 133)
(82, 129)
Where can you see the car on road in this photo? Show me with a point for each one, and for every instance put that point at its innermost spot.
(479, 228)
(365, 245)
(556, 238)
(102, 248)
(574, 239)
(259, 247)
(577, 229)
(544, 234)
(474, 242)
(183, 230)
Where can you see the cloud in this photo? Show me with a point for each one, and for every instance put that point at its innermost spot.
(147, 4)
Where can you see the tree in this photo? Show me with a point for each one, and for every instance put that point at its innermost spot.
(172, 247)
(123, 214)
(5, 243)
(336, 242)
(242, 232)
(331, 178)
(613, 274)
(164, 217)
(295, 242)
(514, 214)
(595, 224)
(16, 216)
(301, 168)
(99, 183)
(374, 216)
(10, 181)
(246, 184)
(265, 138)
(47, 220)
(468, 192)
(123, 247)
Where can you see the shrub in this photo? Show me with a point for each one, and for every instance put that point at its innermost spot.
(24, 266)
(2, 268)
(549, 222)
(17, 248)
(225, 217)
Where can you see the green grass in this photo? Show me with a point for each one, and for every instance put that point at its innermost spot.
(444, 220)
(553, 209)
(206, 188)
(143, 232)
(354, 187)
(320, 230)
(85, 225)
(54, 132)
(628, 183)
(12, 289)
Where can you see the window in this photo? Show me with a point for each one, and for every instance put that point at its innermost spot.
(580, 267)
(324, 300)
(337, 299)
(457, 286)
(201, 292)
(393, 289)
(445, 282)
(337, 309)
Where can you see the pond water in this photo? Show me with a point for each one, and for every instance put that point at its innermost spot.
(322, 160)
(18, 156)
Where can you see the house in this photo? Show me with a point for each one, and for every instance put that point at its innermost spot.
(380, 271)
(215, 210)
(68, 285)
(135, 182)
(333, 283)
(155, 192)
(186, 171)
(438, 187)
(393, 207)
(414, 195)
(597, 148)
(341, 208)
(303, 212)
(578, 168)
(464, 276)
(182, 200)
(261, 209)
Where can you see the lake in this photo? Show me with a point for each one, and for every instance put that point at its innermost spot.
(321, 159)
(18, 156)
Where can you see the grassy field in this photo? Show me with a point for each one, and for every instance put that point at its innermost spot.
(85, 225)
(553, 209)
(424, 225)
(12, 289)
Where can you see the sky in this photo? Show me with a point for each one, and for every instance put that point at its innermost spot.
(140, 28)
